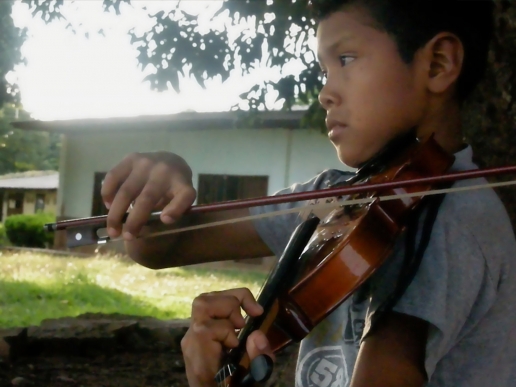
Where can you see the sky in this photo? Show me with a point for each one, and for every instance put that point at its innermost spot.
(68, 76)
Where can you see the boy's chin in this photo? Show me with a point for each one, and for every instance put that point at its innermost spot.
(350, 159)
(350, 164)
(353, 157)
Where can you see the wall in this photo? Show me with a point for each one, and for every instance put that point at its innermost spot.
(286, 156)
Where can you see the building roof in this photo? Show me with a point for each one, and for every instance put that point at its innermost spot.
(179, 121)
(30, 180)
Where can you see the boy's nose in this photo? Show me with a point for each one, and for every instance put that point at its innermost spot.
(327, 98)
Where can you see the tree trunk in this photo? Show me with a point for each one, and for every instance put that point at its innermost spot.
(490, 114)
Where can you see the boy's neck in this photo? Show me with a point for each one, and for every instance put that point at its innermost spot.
(446, 125)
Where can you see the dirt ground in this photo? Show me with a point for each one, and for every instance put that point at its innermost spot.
(105, 351)
(122, 369)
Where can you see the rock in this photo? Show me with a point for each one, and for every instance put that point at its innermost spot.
(177, 365)
(4, 350)
(165, 333)
(94, 333)
(129, 337)
(98, 350)
(17, 342)
(19, 381)
(63, 378)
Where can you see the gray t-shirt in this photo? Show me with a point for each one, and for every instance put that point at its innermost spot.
(465, 288)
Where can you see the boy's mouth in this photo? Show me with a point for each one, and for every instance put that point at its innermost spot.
(335, 128)
(336, 132)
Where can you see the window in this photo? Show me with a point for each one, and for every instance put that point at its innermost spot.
(40, 203)
(15, 203)
(98, 208)
(220, 188)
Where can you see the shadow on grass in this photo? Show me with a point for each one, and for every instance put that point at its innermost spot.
(24, 303)
(227, 275)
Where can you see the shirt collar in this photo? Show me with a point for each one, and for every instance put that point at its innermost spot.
(464, 160)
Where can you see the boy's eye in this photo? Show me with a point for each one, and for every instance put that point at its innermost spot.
(345, 59)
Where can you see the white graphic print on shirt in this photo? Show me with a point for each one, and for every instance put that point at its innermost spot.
(323, 367)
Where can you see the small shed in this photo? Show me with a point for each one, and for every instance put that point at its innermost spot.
(28, 193)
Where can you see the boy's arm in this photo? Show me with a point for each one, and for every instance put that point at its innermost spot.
(393, 355)
(228, 242)
(148, 182)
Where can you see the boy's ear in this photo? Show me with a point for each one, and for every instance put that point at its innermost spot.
(444, 55)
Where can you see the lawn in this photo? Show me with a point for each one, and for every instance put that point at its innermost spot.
(34, 287)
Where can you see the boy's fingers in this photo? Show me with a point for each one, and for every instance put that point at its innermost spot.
(126, 194)
(222, 331)
(225, 304)
(202, 347)
(201, 370)
(114, 179)
(258, 344)
(161, 204)
(150, 180)
(182, 196)
(146, 202)
(215, 316)
(245, 299)
(205, 308)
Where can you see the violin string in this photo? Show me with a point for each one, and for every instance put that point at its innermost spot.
(319, 206)
(296, 222)
(224, 381)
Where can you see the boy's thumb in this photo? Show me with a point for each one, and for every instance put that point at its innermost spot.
(258, 344)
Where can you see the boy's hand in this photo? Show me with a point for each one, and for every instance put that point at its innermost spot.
(215, 316)
(152, 182)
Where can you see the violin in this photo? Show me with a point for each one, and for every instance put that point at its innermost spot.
(330, 258)
(342, 252)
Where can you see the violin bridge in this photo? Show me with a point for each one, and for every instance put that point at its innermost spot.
(321, 213)
(82, 236)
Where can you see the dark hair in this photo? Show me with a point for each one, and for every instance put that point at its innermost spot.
(412, 23)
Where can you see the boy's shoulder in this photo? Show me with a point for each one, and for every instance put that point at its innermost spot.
(478, 216)
(476, 208)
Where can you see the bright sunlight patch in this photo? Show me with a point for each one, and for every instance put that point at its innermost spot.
(34, 287)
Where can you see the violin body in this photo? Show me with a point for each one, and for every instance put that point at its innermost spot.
(347, 247)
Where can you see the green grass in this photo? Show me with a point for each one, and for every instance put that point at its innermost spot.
(34, 287)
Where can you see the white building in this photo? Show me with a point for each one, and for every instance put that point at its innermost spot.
(230, 158)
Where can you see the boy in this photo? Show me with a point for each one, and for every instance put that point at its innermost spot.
(391, 67)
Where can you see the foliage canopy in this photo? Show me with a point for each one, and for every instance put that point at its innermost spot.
(23, 150)
(11, 40)
(238, 37)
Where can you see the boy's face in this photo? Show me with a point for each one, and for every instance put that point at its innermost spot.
(370, 94)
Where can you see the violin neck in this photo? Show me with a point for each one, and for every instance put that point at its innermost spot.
(279, 281)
